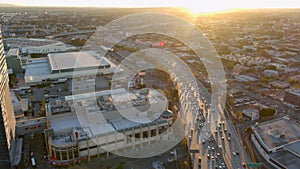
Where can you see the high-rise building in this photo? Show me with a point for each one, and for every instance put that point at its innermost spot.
(7, 118)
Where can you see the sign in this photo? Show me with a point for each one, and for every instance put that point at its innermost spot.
(253, 164)
(161, 43)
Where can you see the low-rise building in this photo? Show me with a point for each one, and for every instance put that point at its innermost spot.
(292, 97)
(278, 142)
(253, 114)
(102, 122)
(270, 73)
(13, 60)
(35, 46)
(67, 65)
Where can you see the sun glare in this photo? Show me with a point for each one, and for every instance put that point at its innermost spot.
(206, 8)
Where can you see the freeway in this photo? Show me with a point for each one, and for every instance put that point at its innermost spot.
(209, 115)
(222, 131)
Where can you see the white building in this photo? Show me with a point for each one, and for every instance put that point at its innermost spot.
(67, 65)
(94, 126)
(35, 46)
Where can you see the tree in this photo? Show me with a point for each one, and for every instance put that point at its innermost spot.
(264, 80)
(239, 114)
(266, 112)
(271, 67)
(185, 164)
(120, 166)
(11, 80)
(43, 111)
(249, 130)
(184, 142)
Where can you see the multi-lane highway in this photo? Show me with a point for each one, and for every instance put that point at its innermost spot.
(212, 137)
(217, 132)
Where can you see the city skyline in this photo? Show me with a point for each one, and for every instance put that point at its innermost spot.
(194, 5)
(122, 88)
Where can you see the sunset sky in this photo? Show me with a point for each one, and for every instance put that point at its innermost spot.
(193, 5)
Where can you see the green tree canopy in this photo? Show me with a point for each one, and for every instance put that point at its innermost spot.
(265, 112)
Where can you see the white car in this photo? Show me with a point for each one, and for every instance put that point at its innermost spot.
(171, 160)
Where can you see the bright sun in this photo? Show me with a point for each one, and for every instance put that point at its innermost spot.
(211, 6)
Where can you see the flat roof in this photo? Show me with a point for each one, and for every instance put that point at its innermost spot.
(278, 132)
(295, 92)
(88, 114)
(70, 60)
(37, 67)
(14, 99)
(294, 147)
(40, 68)
(286, 158)
(30, 42)
(12, 52)
(245, 78)
(66, 122)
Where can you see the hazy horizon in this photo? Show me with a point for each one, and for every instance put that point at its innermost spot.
(195, 6)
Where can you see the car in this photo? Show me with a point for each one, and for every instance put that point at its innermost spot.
(208, 156)
(228, 139)
(218, 154)
(203, 141)
(212, 148)
(216, 131)
(212, 157)
(171, 160)
(172, 153)
(199, 159)
(233, 153)
(222, 138)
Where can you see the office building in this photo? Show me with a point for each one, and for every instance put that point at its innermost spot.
(7, 118)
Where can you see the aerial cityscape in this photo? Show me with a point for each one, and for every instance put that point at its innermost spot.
(149, 85)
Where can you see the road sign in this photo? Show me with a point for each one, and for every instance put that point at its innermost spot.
(253, 164)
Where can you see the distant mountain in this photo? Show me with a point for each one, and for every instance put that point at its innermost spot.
(7, 5)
